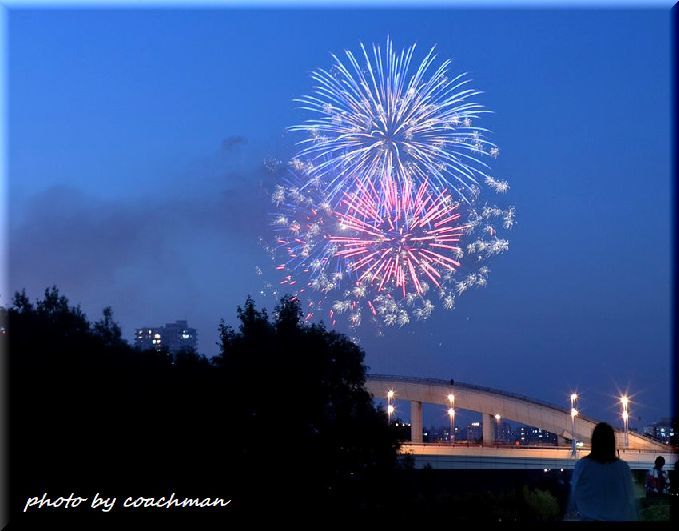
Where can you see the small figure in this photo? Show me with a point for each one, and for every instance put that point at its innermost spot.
(657, 480)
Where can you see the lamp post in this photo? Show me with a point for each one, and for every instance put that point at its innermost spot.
(451, 414)
(390, 407)
(624, 400)
(574, 413)
(497, 426)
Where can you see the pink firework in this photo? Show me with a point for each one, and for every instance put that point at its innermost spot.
(402, 234)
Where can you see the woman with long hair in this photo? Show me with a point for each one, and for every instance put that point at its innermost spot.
(602, 487)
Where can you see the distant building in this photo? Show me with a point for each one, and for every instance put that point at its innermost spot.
(173, 337)
(532, 436)
(661, 430)
(442, 434)
(506, 432)
(474, 432)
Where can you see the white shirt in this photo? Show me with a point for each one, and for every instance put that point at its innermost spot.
(654, 473)
(603, 491)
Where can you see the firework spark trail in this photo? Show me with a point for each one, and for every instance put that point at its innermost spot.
(382, 203)
(400, 233)
(313, 239)
(379, 119)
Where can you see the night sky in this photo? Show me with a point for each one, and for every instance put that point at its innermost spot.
(138, 142)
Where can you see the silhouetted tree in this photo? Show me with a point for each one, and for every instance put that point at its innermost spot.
(107, 329)
(296, 395)
(283, 410)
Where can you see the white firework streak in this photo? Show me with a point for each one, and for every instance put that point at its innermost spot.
(380, 118)
(310, 241)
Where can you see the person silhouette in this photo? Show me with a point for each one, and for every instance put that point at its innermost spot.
(602, 487)
(657, 480)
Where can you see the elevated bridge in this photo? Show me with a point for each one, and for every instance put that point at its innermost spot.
(474, 456)
(490, 402)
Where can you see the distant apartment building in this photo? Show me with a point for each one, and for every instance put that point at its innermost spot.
(173, 337)
(474, 432)
(661, 430)
(530, 435)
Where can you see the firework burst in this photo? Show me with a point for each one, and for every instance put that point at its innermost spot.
(380, 118)
(381, 215)
(388, 253)
(401, 234)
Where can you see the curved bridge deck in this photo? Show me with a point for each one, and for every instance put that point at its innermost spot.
(490, 402)
(461, 457)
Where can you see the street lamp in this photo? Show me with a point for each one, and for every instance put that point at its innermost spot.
(497, 426)
(574, 413)
(390, 407)
(624, 400)
(451, 413)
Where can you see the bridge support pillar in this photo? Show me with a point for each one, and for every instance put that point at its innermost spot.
(416, 422)
(488, 422)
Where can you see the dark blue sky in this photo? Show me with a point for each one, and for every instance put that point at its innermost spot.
(137, 143)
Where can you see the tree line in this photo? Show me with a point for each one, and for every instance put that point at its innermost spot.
(280, 417)
(279, 422)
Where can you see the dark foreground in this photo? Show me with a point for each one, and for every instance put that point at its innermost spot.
(278, 425)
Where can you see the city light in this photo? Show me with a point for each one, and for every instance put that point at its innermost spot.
(624, 400)
(390, 407)
(451, 414)
(574, 413)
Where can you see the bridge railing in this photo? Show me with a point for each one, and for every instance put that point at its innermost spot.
(472, 387)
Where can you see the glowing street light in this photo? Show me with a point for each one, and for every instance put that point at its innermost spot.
(497, 425)
(574, 413)
(451, 413)
(624, 400)
(390, 407)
